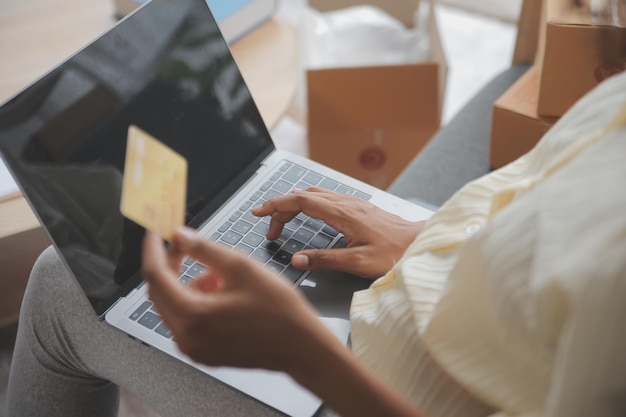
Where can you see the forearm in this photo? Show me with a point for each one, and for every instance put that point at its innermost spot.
(334, 374)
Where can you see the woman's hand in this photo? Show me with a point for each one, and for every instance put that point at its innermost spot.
(238, 313)
(241, 314)
(375, 238)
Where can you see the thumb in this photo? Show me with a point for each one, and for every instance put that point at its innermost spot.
(320, 259)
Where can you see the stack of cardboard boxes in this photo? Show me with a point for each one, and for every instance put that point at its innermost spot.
(574, 54)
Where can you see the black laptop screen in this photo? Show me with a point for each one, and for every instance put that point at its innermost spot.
(165, 69)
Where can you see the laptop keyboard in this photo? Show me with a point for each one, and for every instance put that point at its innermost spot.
(244, 232)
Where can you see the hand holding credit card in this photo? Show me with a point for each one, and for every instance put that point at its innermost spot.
(154, 187)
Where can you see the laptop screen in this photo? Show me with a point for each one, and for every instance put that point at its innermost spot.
(165, 69)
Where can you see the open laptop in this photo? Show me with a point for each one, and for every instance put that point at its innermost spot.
(167, 69)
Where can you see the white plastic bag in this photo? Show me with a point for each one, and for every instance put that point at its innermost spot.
(355, 36)
(361, 36)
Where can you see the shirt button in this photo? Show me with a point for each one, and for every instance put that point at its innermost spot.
(472, 228)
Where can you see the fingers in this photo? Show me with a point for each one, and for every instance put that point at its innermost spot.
(287, 206)
(223, 262)
(209, 283)
(160, 274)
(314, 202)
(352, 260)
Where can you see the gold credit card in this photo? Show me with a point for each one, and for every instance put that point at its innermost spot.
(154, 187)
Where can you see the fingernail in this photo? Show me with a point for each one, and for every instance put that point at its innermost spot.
(300, 261)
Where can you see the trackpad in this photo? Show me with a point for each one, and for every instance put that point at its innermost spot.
(331, 292)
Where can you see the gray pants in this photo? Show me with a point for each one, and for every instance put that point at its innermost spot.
(69, 363)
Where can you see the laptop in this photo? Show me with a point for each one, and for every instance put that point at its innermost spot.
(167, 69)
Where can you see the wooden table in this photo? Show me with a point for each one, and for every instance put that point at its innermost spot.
(35, 35)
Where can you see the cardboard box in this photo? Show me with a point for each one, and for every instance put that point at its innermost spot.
(575, 54)
(369, 122)
(516, 125)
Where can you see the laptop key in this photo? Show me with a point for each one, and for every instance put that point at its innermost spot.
(292, 274)
(342, 189)
(142, 309)
(253, 239)
(246, 206)
(282, 187)
(256, 195)
(329, 230)
(149, 320)
(261, 254)
(185, 279)
(245, 249)
(294, 174)
(250, 218)
(285, 167)
(303, 235)
(362, 196)
(272, 245)
(272, 194)
(294, 223)
(262, 228)
(293, 246)
(196, 270)
(235, 216)
(312, 178)
(328, 184)
(232, 238)
(313, 224)
(275, 176)
(321, 241)
(285, 234)
(341, 243)
(302, 186)
(275, 266)
(242, 227)
(163, 331)
(266, 186)
(282, 257)
(224, 227)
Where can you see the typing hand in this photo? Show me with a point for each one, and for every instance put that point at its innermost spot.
(375, 238)
(237, 313)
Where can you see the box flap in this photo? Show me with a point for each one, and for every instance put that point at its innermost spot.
(523, 96)
(437, 54)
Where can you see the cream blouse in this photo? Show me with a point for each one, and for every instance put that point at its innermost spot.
(511, 301)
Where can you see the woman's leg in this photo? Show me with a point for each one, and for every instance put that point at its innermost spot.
(68, 363)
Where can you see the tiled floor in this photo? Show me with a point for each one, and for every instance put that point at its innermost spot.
(477, 48)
